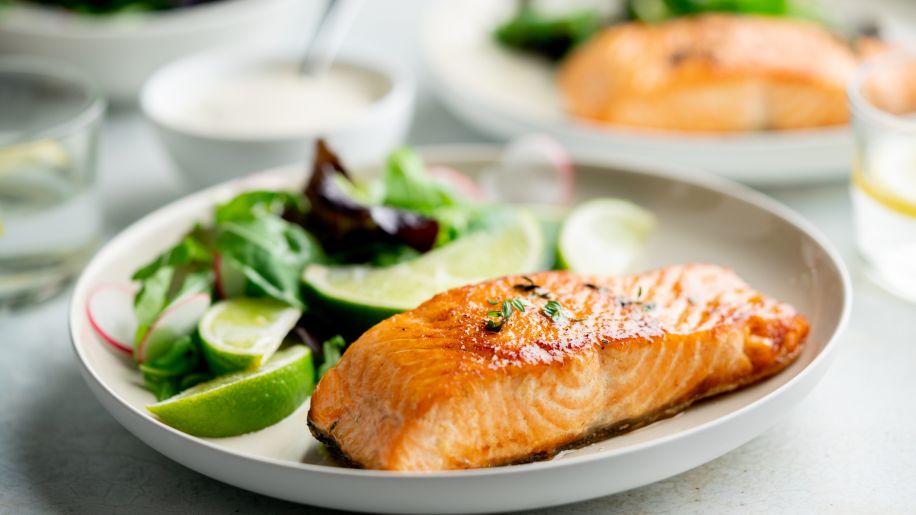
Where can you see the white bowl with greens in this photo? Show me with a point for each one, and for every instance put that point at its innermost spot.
(121, 42)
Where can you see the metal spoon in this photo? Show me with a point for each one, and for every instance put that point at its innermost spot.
(333, 24)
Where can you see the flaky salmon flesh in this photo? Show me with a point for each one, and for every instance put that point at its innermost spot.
(439, 388)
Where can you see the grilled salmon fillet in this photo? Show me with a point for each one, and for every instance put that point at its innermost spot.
(435, 389)
(711, 73)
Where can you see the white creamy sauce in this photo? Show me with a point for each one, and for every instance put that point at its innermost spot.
(277, 100)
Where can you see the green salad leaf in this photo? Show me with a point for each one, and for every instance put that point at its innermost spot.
(332, 349)
(181, 270)
(254, 204)
(652, 11)
(180, 367)
(105, 7)
(271, 253)
(550, 36)
(408, 186)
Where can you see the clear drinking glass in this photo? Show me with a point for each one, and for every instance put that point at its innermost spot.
(50, 216)
(883, 101)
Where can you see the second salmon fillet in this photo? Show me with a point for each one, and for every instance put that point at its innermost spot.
(436, 388)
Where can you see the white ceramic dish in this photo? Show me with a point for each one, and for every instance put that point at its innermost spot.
(699, 220)
(121, 51)
(209, 158)
(505, 94)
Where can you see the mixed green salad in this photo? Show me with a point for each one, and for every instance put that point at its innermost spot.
(102, 7)
(237, 321)
(553, 34)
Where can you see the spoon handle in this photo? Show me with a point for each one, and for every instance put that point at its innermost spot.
(333, 24)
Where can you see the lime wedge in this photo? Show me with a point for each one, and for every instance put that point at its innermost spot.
(364, 295)
(242, 334)
(243, 402)
(604, 236)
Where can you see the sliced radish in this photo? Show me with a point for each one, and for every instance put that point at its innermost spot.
(230, 281)
(177, 320)
(533, 169)
(457, 180)
(110, 310)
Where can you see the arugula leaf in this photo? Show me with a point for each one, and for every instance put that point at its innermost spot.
(271, 253)
(332, 350)
(254, 204)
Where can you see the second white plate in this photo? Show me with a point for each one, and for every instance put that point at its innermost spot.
(506, 94)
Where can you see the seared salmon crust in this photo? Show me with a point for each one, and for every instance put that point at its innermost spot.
(436, 389)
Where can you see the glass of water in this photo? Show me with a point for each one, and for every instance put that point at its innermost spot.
(883, 101)
(50, 215)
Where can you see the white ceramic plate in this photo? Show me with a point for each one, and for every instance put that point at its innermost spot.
(699, 220)
(506, 94)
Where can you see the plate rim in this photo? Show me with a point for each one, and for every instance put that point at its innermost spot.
(480, 153)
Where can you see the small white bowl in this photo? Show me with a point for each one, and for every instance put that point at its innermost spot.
(120, 51)
(210, 156)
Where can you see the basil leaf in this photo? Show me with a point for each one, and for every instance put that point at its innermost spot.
(271, 253)
(332, 350)
(253, 204)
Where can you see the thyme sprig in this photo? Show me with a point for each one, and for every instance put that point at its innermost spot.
(552, 309)
(498, 318)
(532, 288)
(559, 314)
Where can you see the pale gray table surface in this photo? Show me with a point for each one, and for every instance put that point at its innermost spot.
(848, 448)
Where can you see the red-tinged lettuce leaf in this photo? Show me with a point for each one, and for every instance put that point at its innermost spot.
(341, 222)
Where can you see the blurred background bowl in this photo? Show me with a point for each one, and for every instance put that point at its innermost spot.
(120, 51)
(208, 157)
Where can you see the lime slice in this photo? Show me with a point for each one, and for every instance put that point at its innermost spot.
(365, 295)
(604, 236)
(243, 402)
(242, 334)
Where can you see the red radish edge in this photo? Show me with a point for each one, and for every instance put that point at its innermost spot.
(566, 168)
(561, 158)
(129, 290)
(141, 348)
(457, 180)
